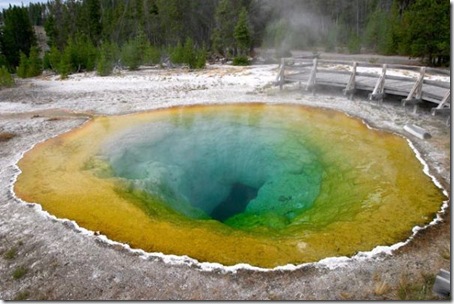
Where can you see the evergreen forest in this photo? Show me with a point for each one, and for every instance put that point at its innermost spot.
(100, 35)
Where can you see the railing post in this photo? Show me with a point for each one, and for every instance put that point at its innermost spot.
(379, 91)
(310, 86)
(351, 85)
(445, 104)
(415, 95)
(282, 74)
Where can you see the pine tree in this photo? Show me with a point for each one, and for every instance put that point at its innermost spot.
(177, 54)
(36, 13)
(54, 58)
(35, 64)
(151, 55)
(173, 16)
(242, 33)
(419, 28)
(223, 35)
(16, 36)
(30, 66)
(93, 11)
(142, 43)
(390, 40)
(130, 54)
(60, 23)
(64, 66)
(6, 80)
(82, 53)
(104, 65)
(51, 32)
(354, 44)
(108, 55)
(189, 54)
(375, 30)
(381, 31)
(427, 31)
(201, 59)
(22, 69)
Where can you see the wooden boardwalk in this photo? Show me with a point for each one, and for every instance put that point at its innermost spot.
(311, 73)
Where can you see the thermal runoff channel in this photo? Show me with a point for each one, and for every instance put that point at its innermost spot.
(260, 184)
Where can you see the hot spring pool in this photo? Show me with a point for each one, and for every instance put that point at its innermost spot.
(261, 184)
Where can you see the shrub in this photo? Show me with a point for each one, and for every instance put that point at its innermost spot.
(241, 61)
(189, 54)
(31, 66)
(4, 62)
(130, 55)
(152, 55)
(59, 62)
(354, 44)
(6, 80)
(53, 58)
(46, 62)
(201, 59)
(64, 66)
(21, 70)
(104, 66)
(82, 54)
(106, 59)
(177, 54)
(35, 64)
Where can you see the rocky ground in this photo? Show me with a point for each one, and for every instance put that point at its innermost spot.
(43, 258)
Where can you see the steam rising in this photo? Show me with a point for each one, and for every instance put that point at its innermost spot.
(296, 25)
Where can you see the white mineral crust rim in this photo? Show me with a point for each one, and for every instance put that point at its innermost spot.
(329, 262)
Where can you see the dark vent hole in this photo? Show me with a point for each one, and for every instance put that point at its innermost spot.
(236, 202)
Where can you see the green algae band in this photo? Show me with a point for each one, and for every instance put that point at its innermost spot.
(261, 184)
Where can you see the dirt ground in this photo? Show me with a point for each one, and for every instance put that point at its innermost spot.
(42, 258)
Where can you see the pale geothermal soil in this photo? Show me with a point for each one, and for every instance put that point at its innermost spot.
(63, 262)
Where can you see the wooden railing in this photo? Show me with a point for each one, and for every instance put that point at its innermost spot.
(314, 72)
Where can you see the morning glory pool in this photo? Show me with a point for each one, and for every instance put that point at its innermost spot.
(257, 183)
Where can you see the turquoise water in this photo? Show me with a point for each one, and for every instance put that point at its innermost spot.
(220, 168)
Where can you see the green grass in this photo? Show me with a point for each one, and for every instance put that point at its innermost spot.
(21, 296)
(10, 254)
(445, 253)
(421, 290)
(241, 61)
(19, 272)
